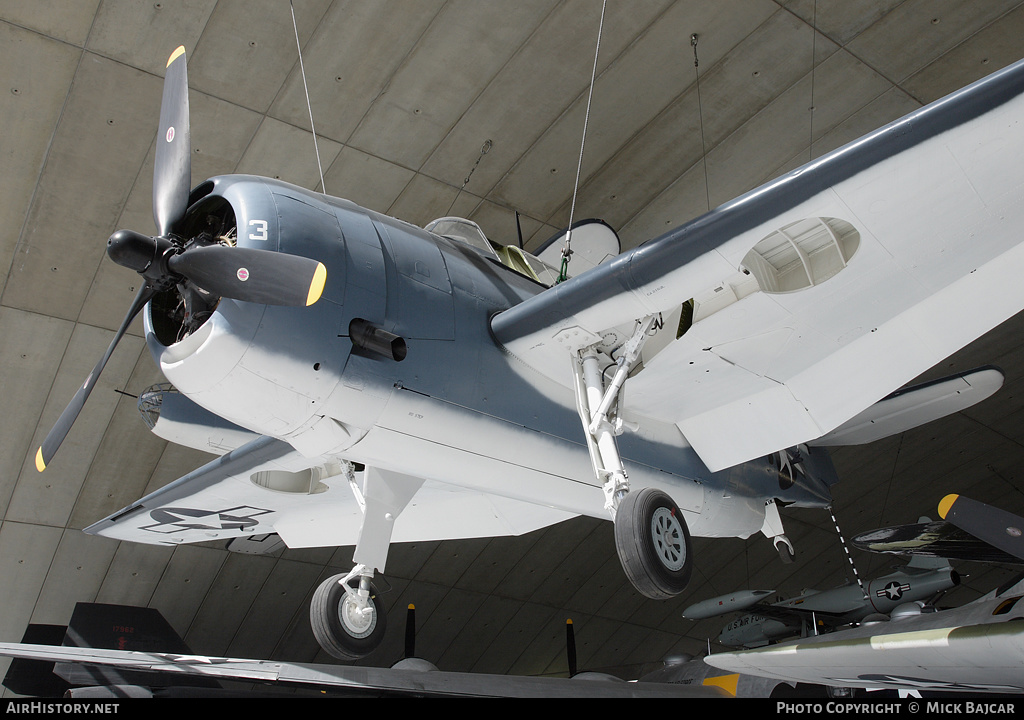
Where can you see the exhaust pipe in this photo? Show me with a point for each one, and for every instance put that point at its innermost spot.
(368, 337)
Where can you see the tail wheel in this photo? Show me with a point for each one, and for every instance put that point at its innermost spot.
(653, 543)
(342, 628)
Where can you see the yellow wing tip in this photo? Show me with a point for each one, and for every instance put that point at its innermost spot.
(40, 463)
(316, 287)
(179, 51)
(729, 683)
(946, 504)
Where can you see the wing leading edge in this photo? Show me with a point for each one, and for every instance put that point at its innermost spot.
(818, 294)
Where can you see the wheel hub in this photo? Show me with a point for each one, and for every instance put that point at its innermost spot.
(667, 534)
(358, 620)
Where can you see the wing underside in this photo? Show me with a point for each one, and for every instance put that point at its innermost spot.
(266, 487)
(789, 311)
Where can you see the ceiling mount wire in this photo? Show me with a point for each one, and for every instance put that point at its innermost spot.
(567, 249)
(484, 149)
(302, 70)
(700, 114)
(810, 111)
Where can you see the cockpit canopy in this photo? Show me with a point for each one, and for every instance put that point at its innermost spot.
(467, 231)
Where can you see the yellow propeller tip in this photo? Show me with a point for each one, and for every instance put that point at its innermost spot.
(316, 287)
(946, 504)
(176, 54)
(40, 464)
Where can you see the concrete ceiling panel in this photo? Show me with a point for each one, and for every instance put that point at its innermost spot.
(83, 186)
(422, 200)
(135, 572)
(32, 92)
(145, 34)
(280, 598)
(919, 32)
(225, 606)
(127, 455)
(991, 48)
(50, 497)
(555, 156)
(186, 578)
(28, 550)
(844, 20)
(350, 61)
(30, 355)
(247, 49)
(76, 572)
(525, 97)
(288, 153)
(67, 22)
(420, 105)
(366, 180)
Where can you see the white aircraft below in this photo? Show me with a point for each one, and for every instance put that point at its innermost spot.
(975, 648)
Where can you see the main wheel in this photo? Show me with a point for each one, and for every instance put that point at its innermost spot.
(653, 543)
(341, 629)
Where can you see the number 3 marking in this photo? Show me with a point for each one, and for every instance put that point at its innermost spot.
(259, 230)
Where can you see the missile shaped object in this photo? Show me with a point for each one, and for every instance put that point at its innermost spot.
(725, 603)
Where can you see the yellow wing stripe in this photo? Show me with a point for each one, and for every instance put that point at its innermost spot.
(176, 54)
(316, 287)
(40, 464)
(729, 683)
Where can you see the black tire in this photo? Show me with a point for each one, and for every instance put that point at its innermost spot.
(785, 553)
(653, 543)
(337, 636)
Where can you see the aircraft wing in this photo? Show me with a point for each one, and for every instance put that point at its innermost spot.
(794, 308)
(265, 486)
(978, 658)
(359, 680)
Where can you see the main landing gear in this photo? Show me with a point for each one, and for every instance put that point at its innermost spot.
(653, 543)
(346, 613)
(651, 537)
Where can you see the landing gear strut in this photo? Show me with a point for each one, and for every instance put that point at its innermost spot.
(347, 616)
(651, 536)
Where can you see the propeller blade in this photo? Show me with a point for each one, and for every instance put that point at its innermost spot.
(172, 173)
(252, 275)
(410, 631)
(1000, 529)
(570, 647)
(67, 418)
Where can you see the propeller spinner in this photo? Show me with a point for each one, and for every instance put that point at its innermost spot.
(165, 260)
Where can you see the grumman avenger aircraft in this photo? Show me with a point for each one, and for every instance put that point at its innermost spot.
(368, 382)
(815, 612)
(973, 648)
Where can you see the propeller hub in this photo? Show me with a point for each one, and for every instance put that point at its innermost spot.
(136, 251)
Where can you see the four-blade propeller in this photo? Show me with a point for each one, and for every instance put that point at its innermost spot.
(165, 260)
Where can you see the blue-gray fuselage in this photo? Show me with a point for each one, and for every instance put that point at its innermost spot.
(457, 408)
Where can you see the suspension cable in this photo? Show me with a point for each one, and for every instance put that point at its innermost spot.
(302, 70)
(566, 249)
(700, 113)
(484, 149)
